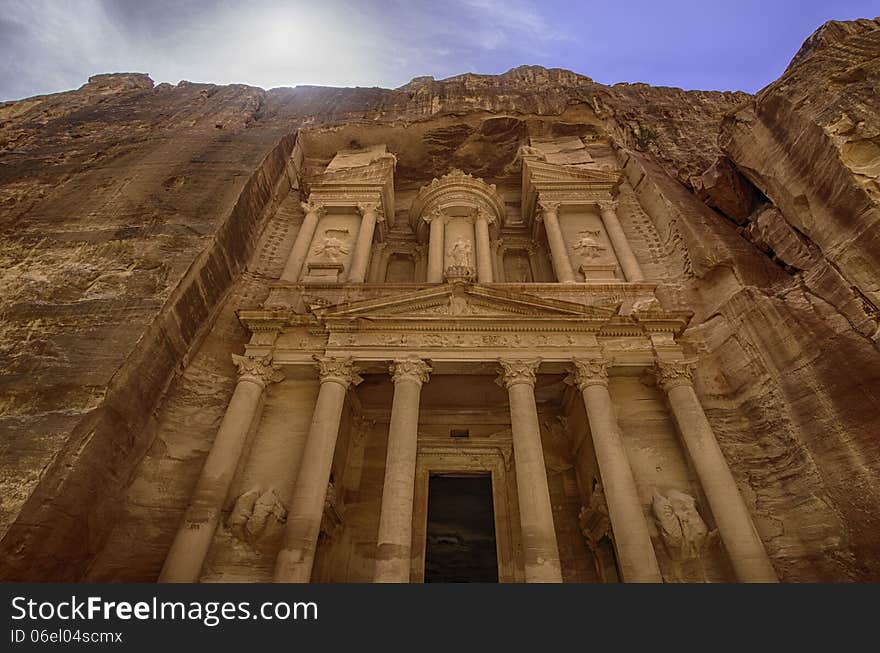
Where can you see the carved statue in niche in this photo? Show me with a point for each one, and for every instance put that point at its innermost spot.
(588, 244)
(460, 254)
(332, 247)
(685, 535)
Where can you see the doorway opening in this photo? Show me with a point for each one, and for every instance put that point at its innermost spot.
(460, 539)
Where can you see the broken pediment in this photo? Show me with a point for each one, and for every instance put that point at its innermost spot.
(357, 176)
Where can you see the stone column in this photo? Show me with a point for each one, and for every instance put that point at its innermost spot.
(628, 262)
(632, 538)
(436, 248)
(741, 539)
(294, 561)
(370, 213)
(484, 250)
(558, 250)
(540, 551)
(295, 262)
(395, 520)
(183, 563)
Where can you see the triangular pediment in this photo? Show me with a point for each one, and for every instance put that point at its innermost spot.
(463, 301)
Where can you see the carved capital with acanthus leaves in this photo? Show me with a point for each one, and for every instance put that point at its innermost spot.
(366, 208)
(517, 371)
(435, 214)
(314, 206)
(587, 372)
(257, 369)
(410, 369)
(337, 370)
(607, 205)
(546, 209)
(672, 374)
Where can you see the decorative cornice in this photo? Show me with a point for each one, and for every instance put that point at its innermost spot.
(672, 374)
(260, 370)
(315, 206)
(337, 370)
(517, 371)
(410, 369)
(587, 372)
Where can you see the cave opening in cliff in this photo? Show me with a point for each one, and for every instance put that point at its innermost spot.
(460, 546)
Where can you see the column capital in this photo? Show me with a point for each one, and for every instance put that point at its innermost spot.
(410, 369)
(671, 374)
(607, 205)
(370, 207)
(337, 370)
(482, 214)
(545, 207)
(257, 369)
(435, 214)
(517, 371)
(314, 206)
(587, 372)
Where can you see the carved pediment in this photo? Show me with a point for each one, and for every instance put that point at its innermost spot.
(540, 171)
(462, 301)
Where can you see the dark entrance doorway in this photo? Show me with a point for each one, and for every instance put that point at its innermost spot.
(460, 546)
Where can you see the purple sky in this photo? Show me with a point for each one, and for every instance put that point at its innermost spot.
(54, 45)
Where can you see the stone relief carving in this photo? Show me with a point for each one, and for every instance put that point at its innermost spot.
(460, 253)
(475, 340)
(257, 517)
(458, 305)
(593, 518)
(331, 520)
(588, 244)
(684, 533)
(332, 247)
(522, 271)
(595, 525)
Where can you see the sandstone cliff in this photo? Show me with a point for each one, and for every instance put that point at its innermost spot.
(136, 218)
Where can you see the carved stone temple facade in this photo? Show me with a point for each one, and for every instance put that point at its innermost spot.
(468, 331)
(494, 328)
